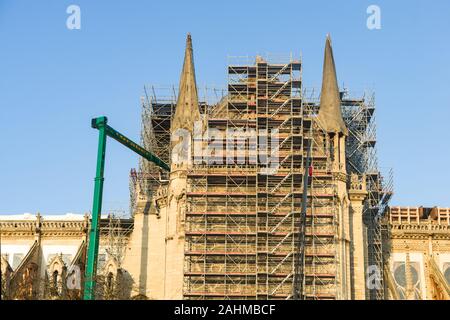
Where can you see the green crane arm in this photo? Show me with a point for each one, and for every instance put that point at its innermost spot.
(116, 135)
(100, 123)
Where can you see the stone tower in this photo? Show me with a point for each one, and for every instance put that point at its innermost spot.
(350, 226)
(182, 127)
(156, 252)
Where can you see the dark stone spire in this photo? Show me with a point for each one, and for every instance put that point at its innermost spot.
(187, 109)
(330, 115)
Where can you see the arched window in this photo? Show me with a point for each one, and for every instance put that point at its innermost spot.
(55, 279)
(109, 281)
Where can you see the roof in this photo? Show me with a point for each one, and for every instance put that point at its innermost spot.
(49, 217)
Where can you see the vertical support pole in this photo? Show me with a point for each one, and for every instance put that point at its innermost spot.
(94, 233)
(299, 277)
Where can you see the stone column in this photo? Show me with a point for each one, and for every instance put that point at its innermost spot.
(357, 195)
(175, 236)
(145, 256)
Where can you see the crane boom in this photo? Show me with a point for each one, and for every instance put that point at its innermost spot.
(105, 130)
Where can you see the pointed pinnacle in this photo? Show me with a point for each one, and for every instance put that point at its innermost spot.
(187, 110)
(330, 115)
(189, 41)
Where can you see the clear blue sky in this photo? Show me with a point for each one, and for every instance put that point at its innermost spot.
(54, 80)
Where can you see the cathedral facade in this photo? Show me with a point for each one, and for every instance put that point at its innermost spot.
(270, 195)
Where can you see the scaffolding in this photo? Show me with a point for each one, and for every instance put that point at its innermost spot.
(359, 115)
(242, 225)
(361, 158)
(155, 122)
(115, 232)
(158, 105)
(243, 220)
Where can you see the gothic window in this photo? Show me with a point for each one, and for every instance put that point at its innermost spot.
(56, 271)
(110, 281)
(332, 149)
(400, 278)
(55, 279)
